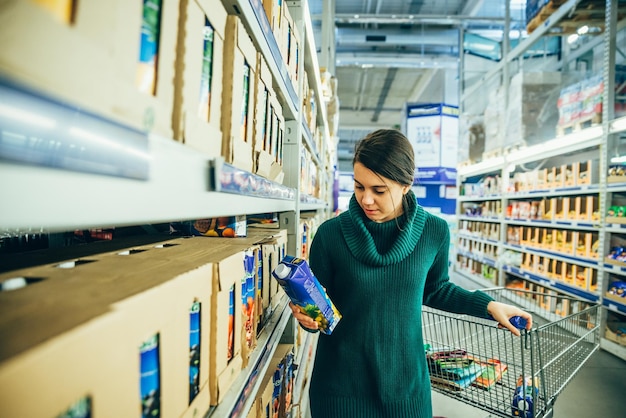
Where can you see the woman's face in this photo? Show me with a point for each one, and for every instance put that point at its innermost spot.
(379, 197)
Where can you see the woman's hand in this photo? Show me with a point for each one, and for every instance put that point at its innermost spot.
(304, 320)
(503, 312)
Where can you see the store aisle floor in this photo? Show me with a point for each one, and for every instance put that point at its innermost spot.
(596, 391)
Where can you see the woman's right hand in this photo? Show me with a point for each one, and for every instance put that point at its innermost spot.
(304, 320)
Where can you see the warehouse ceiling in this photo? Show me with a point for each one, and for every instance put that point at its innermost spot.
(392, 52)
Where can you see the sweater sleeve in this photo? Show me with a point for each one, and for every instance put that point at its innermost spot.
(441, 293)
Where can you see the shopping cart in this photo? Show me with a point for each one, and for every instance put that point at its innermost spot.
(472, 360)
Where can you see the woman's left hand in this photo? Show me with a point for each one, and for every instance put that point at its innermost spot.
(503, 312)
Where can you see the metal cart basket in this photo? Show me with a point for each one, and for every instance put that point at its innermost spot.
(472, 360)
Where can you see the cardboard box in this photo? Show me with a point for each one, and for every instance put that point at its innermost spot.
(100, 62)
(97, 349)
(263, 123)
(238, 99)
(199, 76)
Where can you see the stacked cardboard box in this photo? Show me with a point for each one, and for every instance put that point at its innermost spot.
(126, 330)
(115, 58)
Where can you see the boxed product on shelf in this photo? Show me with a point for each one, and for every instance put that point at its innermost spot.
(263, 93)
(115, 58)
(114, 314)
(268, 126)
(291, 50)
(199, 75)
(271, 397)
(532, 113)
(238, 99)
(274, 13)
(616, 332)
(616, 290)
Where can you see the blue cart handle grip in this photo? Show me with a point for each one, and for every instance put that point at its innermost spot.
(517, 321)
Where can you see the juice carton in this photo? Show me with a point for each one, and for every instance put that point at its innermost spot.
(295, 277)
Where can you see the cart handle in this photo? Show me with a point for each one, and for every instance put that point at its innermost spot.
(517, 321)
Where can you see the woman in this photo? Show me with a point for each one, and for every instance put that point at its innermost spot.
(379, 262)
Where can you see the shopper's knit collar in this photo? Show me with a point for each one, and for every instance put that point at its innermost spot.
(361, 243)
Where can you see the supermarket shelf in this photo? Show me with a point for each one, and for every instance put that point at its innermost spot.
(42, 199)
(614, 306)
(308, 203)
(301, 377)
(556, 191)
(576, 225)
(616, 187)
(308, 140)
(479, 198)
(239, 399)
(255, 20)
(576, 141)
(475, 278)
(479, 219)
(489, 261)
(227, 178)
(553, 284)
(461, 234)
(586, 262)
(613, 348)
(615, 268)
(311, 64)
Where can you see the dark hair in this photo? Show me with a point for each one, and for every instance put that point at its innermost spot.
(389, 153)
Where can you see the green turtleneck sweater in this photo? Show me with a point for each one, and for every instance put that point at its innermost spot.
(378, 276)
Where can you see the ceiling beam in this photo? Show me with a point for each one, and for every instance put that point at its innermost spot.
(472, 7)
(384, 92)
(368, 60)
(409, 19)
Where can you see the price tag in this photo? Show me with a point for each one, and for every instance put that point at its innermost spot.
(526, 276)
(612, 307)
(552, 283)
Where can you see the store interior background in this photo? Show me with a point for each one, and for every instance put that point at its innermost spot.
(393, 53)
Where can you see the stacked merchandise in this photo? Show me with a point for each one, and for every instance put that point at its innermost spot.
(580, 103)
(166, 362)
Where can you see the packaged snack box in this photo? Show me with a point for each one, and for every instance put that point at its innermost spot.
(296, 278)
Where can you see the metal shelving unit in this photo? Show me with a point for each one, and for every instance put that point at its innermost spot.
(596, 140)
(174, 181)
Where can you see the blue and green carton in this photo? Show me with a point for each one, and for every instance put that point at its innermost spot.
(305, 291)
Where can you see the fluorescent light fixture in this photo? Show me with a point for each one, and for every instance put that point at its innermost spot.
(26, 117)
(491, 164)
(618, 125)
(572, 38)
(617, 160)
(571, 142)
(583, 30)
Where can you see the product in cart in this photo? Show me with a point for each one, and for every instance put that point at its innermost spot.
(494, 370)
(453, 368)
(523, 403)
(304, 290)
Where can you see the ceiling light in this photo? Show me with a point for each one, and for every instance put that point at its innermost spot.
(583, 30)
(572, 38)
